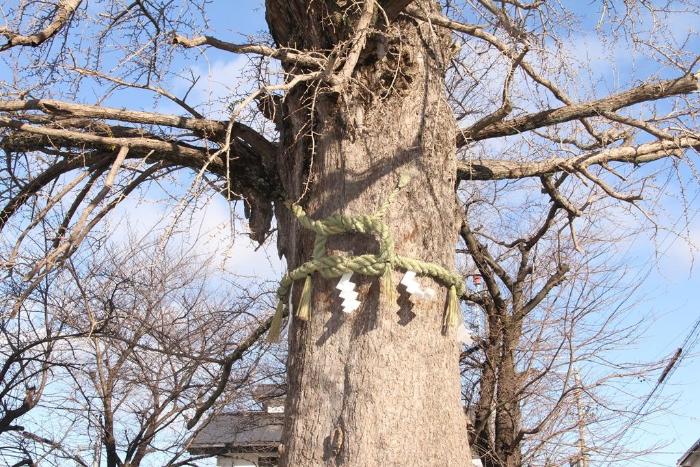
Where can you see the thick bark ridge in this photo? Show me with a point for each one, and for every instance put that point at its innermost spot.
(378, 387)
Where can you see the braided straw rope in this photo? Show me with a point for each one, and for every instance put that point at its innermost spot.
(381, 264)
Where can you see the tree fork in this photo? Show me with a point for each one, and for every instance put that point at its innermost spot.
(379, 386)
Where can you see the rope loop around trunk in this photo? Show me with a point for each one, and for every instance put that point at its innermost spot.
(373, 265)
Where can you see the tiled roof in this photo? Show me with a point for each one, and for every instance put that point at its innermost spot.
(690, 457)
(240, 430)
(264, 392)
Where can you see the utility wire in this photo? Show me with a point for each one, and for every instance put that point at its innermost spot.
(690, 341)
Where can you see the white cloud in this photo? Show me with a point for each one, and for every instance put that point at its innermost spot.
(219, 83)
(222, 81)
(678, 259)
(209, 227)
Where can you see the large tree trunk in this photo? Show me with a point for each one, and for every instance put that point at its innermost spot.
(381, 386)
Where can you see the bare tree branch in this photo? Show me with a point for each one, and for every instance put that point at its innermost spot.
(491, 169)
(148, 144)
(557, 197)
(240, 351)
(64, 11)
(63, 109)
(312, 60)
(643, 93)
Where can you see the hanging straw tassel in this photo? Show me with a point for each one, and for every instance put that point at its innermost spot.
(305, 300)
(388, 284)
(273, 334)
(452, 312)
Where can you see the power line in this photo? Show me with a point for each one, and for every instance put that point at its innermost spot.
(690, 341)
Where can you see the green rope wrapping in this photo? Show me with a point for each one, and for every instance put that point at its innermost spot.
(381, 264)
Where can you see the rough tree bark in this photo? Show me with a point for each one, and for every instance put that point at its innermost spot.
(508, 414)
(380, 386)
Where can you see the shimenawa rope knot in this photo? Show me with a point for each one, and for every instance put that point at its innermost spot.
(380, 264)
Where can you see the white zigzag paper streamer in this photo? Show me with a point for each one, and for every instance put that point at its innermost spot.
(347, 293)
(463, 336)
(290, 309)
(414, 288)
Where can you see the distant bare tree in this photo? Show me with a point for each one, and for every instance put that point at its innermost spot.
(152, 349)
(30, 338)
(539, 320)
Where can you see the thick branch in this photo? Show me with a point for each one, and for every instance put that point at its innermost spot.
(61, 108)
(358, 44)
(150, 144)
(65, 10)
(43, 179)
(479, 253)
(206, 128)
(571, 111)
(492, 169)
(557, 197)
(643, 93)
(10, 415)
(283, 54)
(393, 8)
(249, 166)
